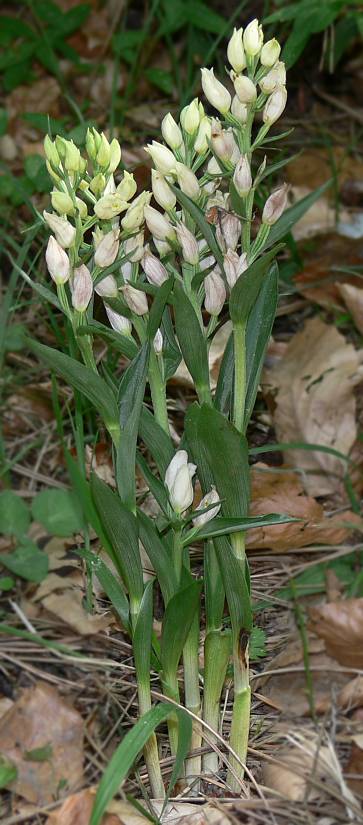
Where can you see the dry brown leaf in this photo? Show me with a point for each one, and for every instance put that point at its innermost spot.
(340, 624)
(315, 403)
(77, 809)
(41, 717)
(68, 606)
(274, 491)
(182, 375)
(355, 766)
(353, 299)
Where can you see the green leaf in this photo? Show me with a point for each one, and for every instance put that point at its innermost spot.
(203, 17)
(123, 343)
(42, 754)
(112, 587)
(27, 561)
(58, 511)
(177, 621)
(6, 583)
(191, 341)
(8, 772)
(198, 216)
(142, 637)
(224, 389)
(130, 747)
(14, 514)
(157, 441)
(82, 489)
(122, 529)
(235, 585)
(257, 646)
(159, 556)
(157, 308)
(226, 526)
(293, 214)
(160, 78)
(258, 332)
(4, 118)
(215, 596)
(156, 486)
(131, 396)
(245, 292)
(85, 380)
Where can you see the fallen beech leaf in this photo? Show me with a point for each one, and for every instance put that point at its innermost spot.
(277, 491)
(77, 809)
(41, 717)
(353, 298)
(351, 696)
(315, 403)
(319, 219)
(340, 624)
(355, 765)
(68, 606)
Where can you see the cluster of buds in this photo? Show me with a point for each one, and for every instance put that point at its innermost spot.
(179, 484)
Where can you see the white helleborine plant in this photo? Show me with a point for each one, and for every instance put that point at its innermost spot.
(149, 277)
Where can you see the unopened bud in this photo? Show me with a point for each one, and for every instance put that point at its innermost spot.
(90, 145)
(270, 53)
(234, 266)
(242, 177)
(235, 51)
(223, 142)
(158, 224)
(215, 293)
(104, 152)
(190, 117)
(81, 288)
(187, 181)
(154, 270)
(275, 205)
(135, 244)
(109, 206)
(171, 132)
(213, 167)
(162, 246)
(253, 38)
(64, 232)
(203, 136)
(57, 261)
(217, 94)
(162, 157)
(115, 155)
(107, 287)
(239, 110)
(97, 184)
(110, 187)
(161, 190)
(188, 243)
(128, 187)
(135, 213)
(72, 157)
(135, 299)
(158, 342)
(275, 77)
(178, 480)
(228, 231)
(275, 105)
(62, 202)
(81, 207)
(126, 271)
(118, 322)
(51, 151)
(211, 498)
(106, 252)
(245, 89)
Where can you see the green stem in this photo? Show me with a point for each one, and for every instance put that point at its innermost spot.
(150, 751)
(158, 393)
(193, 700)
(171, 690)
(217, 648)
(239, 335)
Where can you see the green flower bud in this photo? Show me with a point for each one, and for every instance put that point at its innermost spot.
(62, 202)
(115, 155)
(104, 152)
(98, 184)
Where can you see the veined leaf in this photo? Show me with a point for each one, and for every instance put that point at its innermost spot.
(142, 636)
(178, 618)
(235, 583)
(159, 556)
(293, 214)
(158, 306)
(85, 380)
(224, 389)
(156, 440)
(156, 486)
(111, 586)
(123, 343)
(226, 526)
(198, 216)
(130, 747)
(245, 292)
(258, 331)
(131, 396)
(192, 341)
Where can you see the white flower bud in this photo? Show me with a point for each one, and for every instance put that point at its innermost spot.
(97, 184)
(253, 38)
(64, 232)
(107, 249)
(161, 190)
(118, 322)
(178, 480)
(135, 299)
(158, 342)
(275, 105)
(154, 270)
(109, 206)
(128, 187)
(242, 177)
(135, 213)
(81, 288)
(187, 181)
(126, 271)
(223, 142)
(203, 136)
(115, 155)
(228, 231)
(234, 266)
(135, 244)
(239, 110)
(275, 205)
(82, 208)
(213, 167)
(215, 293)
(245, 89)
(190, 117)
(104, 152)
(162, 157)
(171, 132)
(158, 224)
(162, 246)
(72, 157)
(211, 498)
(275, 77)
(270, 53)
(107, 288)
(217, 94)
(235, 51)
(57, 261)
(51, 151)
(188, 243)
(62, 202)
